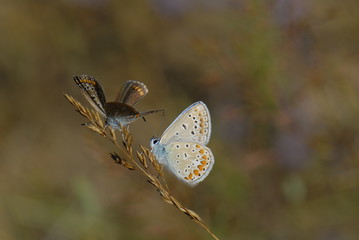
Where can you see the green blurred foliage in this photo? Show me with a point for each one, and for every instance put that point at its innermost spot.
(279, 77)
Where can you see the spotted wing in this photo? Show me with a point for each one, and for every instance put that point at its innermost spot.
(192, 125)
(132, 92)
(190, 162)
(92, 91)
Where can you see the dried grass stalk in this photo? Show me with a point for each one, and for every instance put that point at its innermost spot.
(152, 174)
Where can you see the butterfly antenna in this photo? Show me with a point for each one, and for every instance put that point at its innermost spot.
(150, 127)
(162, 120)
(151, 111)
(143, 114)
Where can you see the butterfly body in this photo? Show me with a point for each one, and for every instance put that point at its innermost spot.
(181, 148)
(118, 113)
(121, 112)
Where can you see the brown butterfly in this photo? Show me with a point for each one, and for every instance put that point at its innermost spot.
(120, 112)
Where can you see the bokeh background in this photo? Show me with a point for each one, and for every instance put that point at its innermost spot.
(281, 80)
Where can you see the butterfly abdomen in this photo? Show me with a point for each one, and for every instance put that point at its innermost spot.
(160, 152)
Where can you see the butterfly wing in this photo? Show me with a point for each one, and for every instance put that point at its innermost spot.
(92, 91)
(132, 92)
(190, 162)
(192, 125)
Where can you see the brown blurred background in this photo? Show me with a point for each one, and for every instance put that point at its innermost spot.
(280, 78)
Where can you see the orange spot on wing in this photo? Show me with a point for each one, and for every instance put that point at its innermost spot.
(139, 90)
(200, 167)
(203, 162)
(205, 157)
(89, 81)
(190, 176)
(201, 151)
(196, 172)
(198, 146)
(201, 131)
(201, 124)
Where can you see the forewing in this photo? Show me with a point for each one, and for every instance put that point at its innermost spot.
(192, 125)
(132, 92)
(92, 91)
(190, 162)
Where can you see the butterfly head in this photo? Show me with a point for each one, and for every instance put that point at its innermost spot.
(154, 141)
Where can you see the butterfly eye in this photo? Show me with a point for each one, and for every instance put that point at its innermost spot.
(154, 141)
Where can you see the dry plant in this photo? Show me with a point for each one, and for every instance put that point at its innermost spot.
(146, 164)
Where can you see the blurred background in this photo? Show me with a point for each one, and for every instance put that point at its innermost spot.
(281, 81)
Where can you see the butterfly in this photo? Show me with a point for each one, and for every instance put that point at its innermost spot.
(182, 146)
(121, 112)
